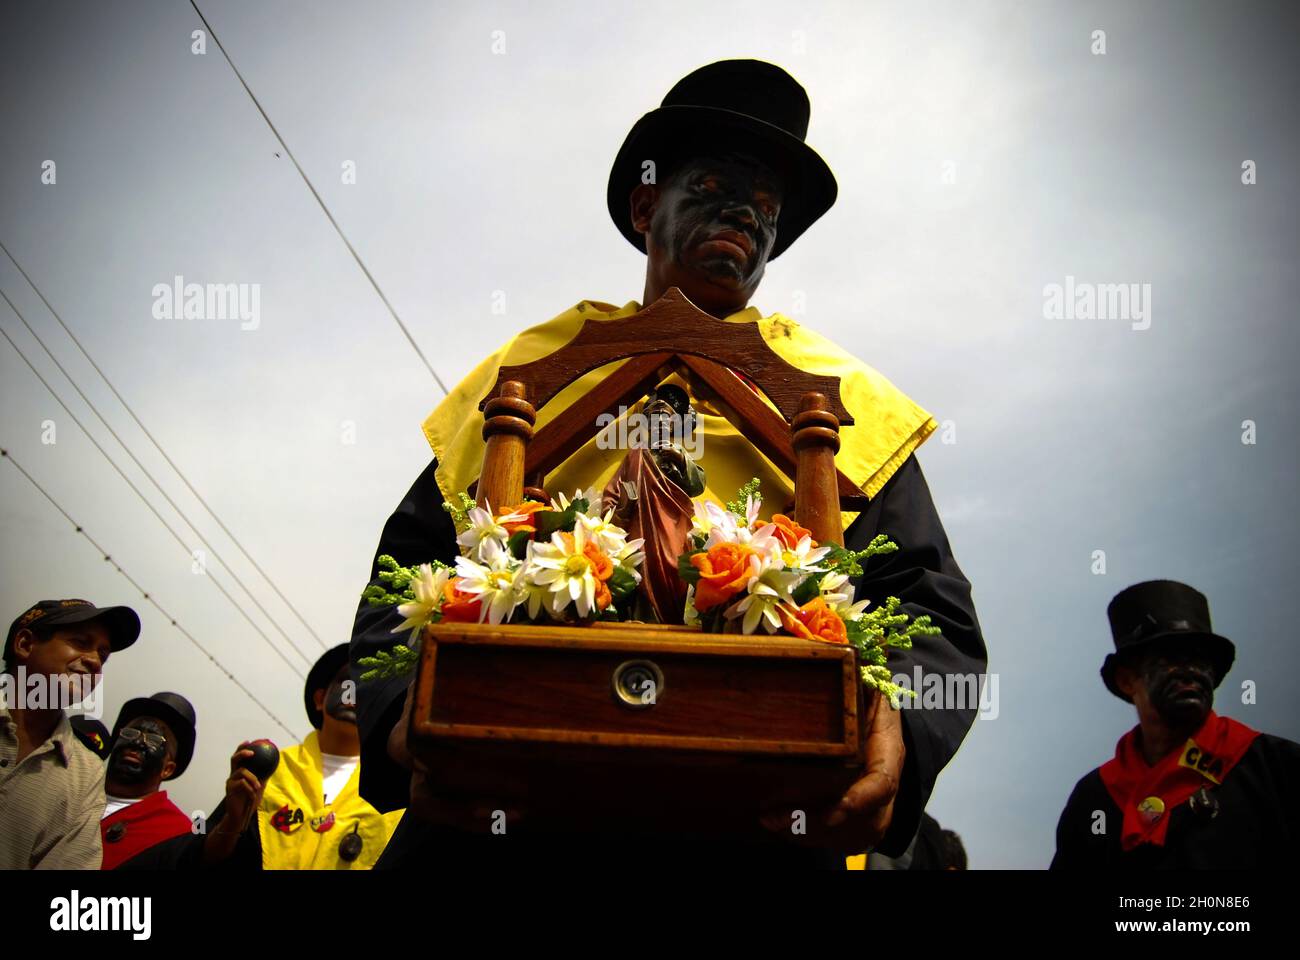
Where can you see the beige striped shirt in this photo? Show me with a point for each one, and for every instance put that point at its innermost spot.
(50, 802)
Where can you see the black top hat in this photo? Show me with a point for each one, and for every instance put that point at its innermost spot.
(1161, 612)
(173, 710)
(319, 677)
(122, 623)
(734, 104)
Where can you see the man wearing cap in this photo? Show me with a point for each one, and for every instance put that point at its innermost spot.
(309, 815)
(52, 787)
(153, 741)
(1187, 789)
(312, 815)
(712, 186)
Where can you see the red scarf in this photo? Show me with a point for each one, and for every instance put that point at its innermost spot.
(140, 825)
(1148, 795)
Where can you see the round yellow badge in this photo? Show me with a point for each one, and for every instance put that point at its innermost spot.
(1151, 810)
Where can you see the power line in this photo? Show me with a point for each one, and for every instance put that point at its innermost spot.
(5, 454)
(145, 470)
(339, 230)
(185, 480)
(179, 539)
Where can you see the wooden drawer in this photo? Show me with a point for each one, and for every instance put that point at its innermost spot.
(729, 725)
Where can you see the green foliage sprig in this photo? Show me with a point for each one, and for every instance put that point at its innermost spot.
(460, 510)
(385, 665)
(875, 632)
(737, 505)
(396, 582)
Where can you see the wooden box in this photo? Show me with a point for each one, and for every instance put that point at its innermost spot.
(562, 715)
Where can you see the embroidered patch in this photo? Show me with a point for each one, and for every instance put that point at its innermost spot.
(322, 824)
(1202, 761)
(286, 820)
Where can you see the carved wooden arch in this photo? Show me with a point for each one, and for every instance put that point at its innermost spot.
(674, 322)
(671, 335)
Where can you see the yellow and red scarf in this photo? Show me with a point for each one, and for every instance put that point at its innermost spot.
(1148, 794)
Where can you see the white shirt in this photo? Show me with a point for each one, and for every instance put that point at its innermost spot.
(117, 803)
(336, 773)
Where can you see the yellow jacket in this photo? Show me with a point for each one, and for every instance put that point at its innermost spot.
(295, 826)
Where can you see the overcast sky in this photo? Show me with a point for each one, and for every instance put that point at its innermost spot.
(983, 153)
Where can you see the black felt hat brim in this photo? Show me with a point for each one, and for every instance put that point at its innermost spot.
(319, 677)
(1222, 654)
(680, 131)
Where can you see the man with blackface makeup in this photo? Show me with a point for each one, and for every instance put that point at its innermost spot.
(152, 742)
(711, 187)
(308, 813)
(1187, 788)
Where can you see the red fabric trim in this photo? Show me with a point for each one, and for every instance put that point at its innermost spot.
(148, 822)
(1210, 754)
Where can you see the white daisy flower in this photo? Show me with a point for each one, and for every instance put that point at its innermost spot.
(592, 495)
(567, 571)
(482, 528)
(630, 556)
(428, 588)
(608, 536)
(802, 556)
(764, 594)
(496, 580)
(837, 592)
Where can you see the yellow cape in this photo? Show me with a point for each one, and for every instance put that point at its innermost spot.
(888, 424)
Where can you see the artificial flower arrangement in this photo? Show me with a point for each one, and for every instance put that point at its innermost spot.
(744, 575)
(565, 562)
(561, 562)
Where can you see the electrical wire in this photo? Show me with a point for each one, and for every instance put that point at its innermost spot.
(329, 216)
(147, 595)
(158, 446)
(215, 582)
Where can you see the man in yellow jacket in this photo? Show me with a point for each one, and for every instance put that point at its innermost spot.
(309, 814)
(312, 816)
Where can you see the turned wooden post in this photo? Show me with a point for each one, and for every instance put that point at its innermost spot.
(815, 437)
(508, 420)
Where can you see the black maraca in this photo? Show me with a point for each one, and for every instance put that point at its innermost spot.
(265, 758)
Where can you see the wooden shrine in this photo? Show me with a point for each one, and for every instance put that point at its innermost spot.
(736, 724)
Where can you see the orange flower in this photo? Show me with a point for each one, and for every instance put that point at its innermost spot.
(458, 606)
(527, 508)
(814, 621)
(724, 571)
(789, 532)
(603, 596)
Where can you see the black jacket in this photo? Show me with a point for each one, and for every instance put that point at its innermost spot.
(923, 574)
(1257, 823)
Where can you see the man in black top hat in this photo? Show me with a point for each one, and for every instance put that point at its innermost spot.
(734, 186)
(1187, 788)
(52, 787)
(153, 741)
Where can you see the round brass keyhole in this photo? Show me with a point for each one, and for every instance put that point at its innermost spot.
(638, 684)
